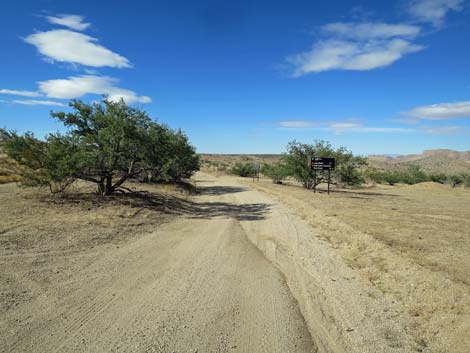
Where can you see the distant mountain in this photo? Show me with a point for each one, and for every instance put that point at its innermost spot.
(433, 161)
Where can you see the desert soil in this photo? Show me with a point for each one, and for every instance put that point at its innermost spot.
(243, 267)
(407, 247)
(193, 284)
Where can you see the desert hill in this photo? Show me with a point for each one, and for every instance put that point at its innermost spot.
(432, 161)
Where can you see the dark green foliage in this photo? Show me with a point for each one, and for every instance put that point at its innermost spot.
(243, 169)
(456, 180)
(440, 178)
(414, 175)
(465, 179)
(277, 172)
(106, 143)
(391, 177)
(183, 160)
(348, 166)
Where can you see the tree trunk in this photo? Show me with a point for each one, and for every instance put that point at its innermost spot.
(109, 185)
(101, 187)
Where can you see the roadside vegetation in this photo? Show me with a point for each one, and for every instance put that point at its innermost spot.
(295, 163)
(243, 169)
(106, 143)
(414, 175)
(350, 170)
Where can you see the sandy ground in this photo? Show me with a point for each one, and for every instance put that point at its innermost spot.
(406, 249)
(243, 267)
(194, 284)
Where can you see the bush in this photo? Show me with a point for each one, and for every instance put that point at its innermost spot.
(391, 177)
(298, 157)
(277, 172)
(456, 180)
(106, 143)
(466, 179)
(243, 169)
(440, 178)
(413, 175)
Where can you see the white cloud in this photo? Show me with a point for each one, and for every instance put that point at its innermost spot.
(14, 92)
(70, 21)
(37, 102)
(72, 47)
(77, 86)
(370, 30)
(445, 130)
(351, 55)
(356, 46)
(442, 111)
(406, 120)
(340, 127)
(433, 11)
(297, 124)
(343, 127)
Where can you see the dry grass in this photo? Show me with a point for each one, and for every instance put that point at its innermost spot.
(410, 242)
(34, 217)
(9, 170)
(42, 235)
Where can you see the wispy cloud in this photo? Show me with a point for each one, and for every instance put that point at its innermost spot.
(297, 124)
(71, 21)
(433, 11)
(76, 48)
(345, 127)
(370, 30)
(14, 92)
(341, 127)
(445, 130)
(442, 111)
(34, 102)
(78, 86)
(409, 120)
(368, 45)
(356, 46)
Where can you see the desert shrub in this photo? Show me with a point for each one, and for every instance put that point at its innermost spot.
(413, 175)
(277, 172)
(243, 169)
(456, 180)
(106, 143)
(440, 178)
(349, 170)
(374, 175)
(392, 177)
(465, 179)
(298, 156)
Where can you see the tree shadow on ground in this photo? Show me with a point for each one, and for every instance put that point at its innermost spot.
(219, 190)
(357, 192)
(168, 204)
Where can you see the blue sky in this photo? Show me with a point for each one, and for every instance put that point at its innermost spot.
(248, 76)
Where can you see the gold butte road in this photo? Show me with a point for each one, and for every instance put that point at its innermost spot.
(194, 285)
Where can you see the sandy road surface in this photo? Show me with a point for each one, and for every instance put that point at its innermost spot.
(194, 285)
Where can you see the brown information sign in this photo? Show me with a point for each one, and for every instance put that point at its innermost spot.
(323, 163)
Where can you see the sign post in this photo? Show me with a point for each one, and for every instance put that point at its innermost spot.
(256, 171)
(322, 163)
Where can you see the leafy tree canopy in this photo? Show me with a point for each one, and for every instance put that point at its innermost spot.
(106, 143)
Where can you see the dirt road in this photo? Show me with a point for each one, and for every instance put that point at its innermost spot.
(194, 285)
